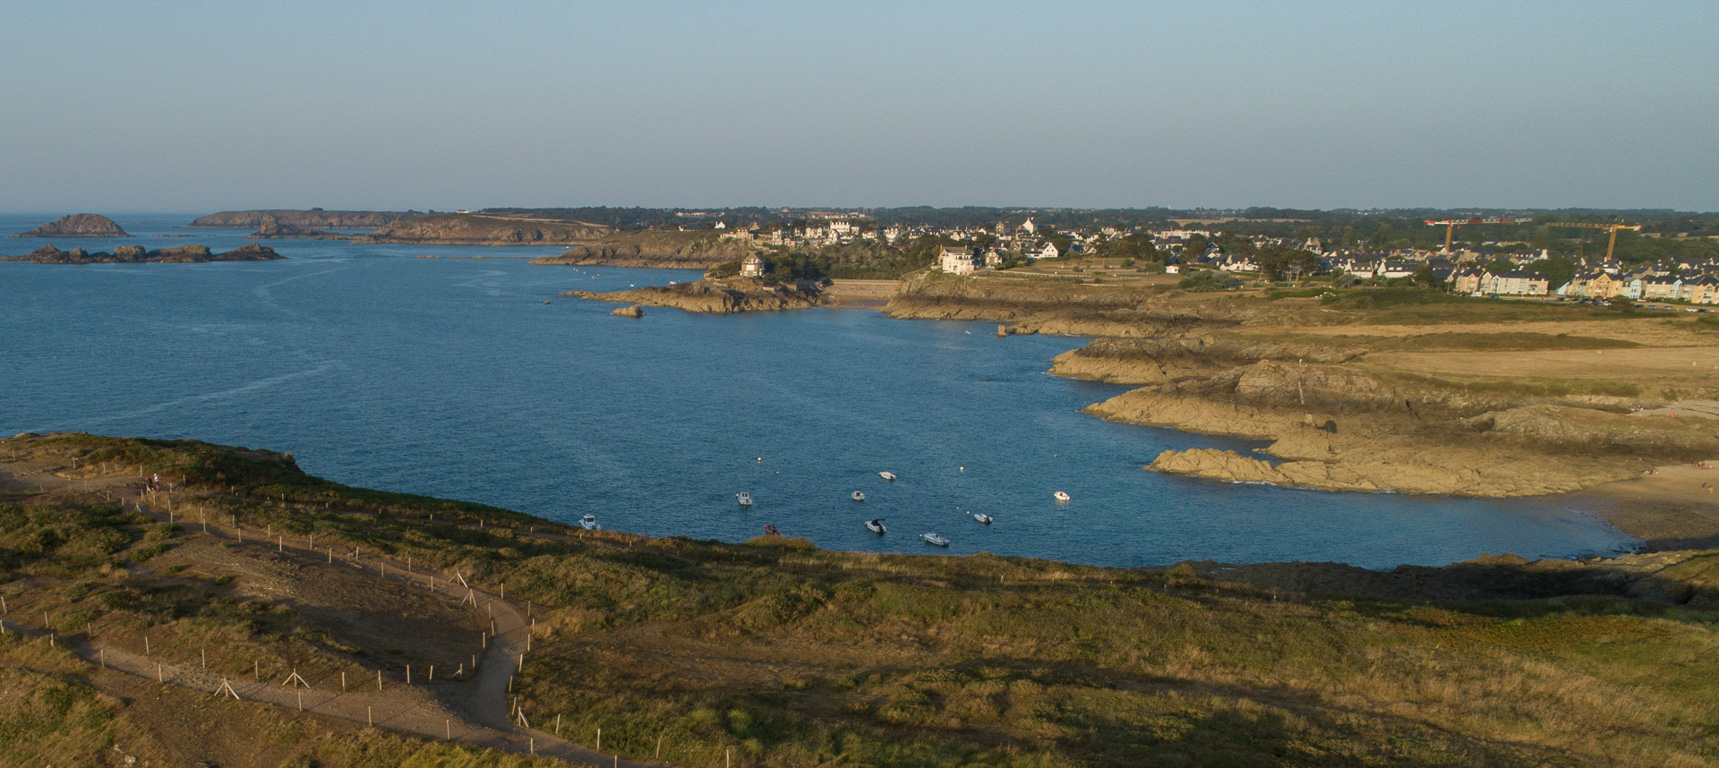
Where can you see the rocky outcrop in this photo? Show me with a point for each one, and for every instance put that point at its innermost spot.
(632, 310)
(1042, 305)
(654, 249)
(481, 229)
(78, 225)
(273, 228)
(137, 254)
(310, 219)
(1159, 360)
(728, 295)
(1335, 428)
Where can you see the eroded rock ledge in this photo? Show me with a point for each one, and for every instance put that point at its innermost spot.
(724, 296)
(137, 254)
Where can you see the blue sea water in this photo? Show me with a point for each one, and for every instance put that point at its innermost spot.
(452, 377)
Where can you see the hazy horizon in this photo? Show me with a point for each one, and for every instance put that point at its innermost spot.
(203, 106)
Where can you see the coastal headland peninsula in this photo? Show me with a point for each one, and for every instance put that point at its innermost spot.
(170, 602)
(315, 218)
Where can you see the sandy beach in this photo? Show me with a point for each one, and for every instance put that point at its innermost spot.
(1668, 510)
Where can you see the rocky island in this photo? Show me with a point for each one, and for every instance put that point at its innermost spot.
(720, 296)
(137, 254)
(311, 219)
(78, 225)
(484, 229)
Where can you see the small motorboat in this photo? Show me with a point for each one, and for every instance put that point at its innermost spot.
(887, 475)
(876, 526)
(857, 496)
(980, 517)
(744, 498)
(1061, 497)
(589, 523)
(934, 540)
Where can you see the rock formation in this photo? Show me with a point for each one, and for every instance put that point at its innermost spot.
(307, 219)
(728, 295)
(137, 254)
(632, 310)
(273, 227)
(480, 229)
(654, 249)
(78, 225)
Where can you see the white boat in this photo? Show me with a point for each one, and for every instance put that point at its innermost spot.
(934, 540)
(857, 496)
(744, 498)
(589, 523)
(980, 517)
(887, 475)
(1061, 497)
(876, 526)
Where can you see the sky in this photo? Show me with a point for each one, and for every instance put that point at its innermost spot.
(202, 106)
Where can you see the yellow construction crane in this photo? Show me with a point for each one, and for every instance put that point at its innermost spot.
(1450, 226)
(1612, 229)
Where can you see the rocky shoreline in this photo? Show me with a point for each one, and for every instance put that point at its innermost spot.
(653, 249)
(137, 254)
(721, 296)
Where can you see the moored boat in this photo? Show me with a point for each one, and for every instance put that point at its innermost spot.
(589, 523)
(1061, 497)
(934, 539)
(857, 496)
(887, 475)
(744, 498)
(876, 526)
(980, 517)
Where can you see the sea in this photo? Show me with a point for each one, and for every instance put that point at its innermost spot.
(466, 376)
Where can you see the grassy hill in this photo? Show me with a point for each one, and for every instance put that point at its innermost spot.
(775, 653)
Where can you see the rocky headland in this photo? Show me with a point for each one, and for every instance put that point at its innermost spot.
(483, 229)
(78, 225)
(137, 254)
(719, 296)
(654, 249)
(310, 219)
(273, 228)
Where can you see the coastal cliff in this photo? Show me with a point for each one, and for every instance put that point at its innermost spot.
(654, 249)
(78, 225)
(481, 229)
(310, 219)
(137, 254)
(724, 296)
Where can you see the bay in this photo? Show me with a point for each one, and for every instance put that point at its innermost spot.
(451, 377)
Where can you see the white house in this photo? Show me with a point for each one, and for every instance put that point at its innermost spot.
(752, 266)
(1049, 251)
(955, 261)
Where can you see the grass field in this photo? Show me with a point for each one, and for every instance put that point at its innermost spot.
(775, 653)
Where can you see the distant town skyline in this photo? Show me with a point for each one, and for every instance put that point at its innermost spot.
(199, 106)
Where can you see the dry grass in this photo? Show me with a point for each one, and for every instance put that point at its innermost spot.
(790, 656)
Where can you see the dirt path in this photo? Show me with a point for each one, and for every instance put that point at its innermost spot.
(484, 718)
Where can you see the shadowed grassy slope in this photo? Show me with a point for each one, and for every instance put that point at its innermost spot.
(785, 655)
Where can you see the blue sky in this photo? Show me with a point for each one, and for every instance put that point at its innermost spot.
(194, 106)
